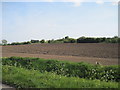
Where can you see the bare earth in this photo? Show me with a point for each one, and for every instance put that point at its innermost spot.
(106, 54)
(4, 86)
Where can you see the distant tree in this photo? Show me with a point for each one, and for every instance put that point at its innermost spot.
(66, 37)
(115, 37)
(4, 42)
(49, 41)
(118, 40)
(26, 42)
(59, 40)
(89, 40)
(108, 40)
(52, 41)
(42, 41)
(103, 39)
(98, 40)
(34, 41)
(81, 39)
(70, 40)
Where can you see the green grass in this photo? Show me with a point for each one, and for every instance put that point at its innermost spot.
(25, 78)
(69, 69)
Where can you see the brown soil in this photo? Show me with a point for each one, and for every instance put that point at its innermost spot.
(6, 87)
(106, 54)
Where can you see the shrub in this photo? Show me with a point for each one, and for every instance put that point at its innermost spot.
(24, 78)
(42, 41)
(82, 70)
(34, 41)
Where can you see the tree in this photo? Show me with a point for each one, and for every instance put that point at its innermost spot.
(81, 39)
(115, 37)
(34, 41)
(49, 41)
(66, 37)
(70, 40)
(4, 42)
(42, 41)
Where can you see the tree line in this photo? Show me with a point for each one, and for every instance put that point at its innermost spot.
(67, 39)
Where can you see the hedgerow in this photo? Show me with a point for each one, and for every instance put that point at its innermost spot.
(25, 78)
(69, 69)
(82, 39)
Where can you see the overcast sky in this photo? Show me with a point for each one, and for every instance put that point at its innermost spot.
(23, 21)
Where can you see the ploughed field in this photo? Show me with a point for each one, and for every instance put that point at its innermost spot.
(104, 53)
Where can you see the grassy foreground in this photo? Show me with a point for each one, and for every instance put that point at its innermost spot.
(24, 78)
(69, 69)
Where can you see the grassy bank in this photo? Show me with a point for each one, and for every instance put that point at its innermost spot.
(24, 78)
(68, 69)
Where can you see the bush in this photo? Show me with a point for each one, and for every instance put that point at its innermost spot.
(97, 40)
(42, 41)
(69, 40)
(82, 70)
(82, 39)
(24, 78)
(34, 41)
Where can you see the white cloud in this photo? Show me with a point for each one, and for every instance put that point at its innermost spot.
(100, 2)
(75, 2)
(50, 0)
(114, 3)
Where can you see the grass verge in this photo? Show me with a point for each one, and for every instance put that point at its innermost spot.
(69, 69)
(24, 78)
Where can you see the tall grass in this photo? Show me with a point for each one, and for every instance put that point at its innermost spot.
(25, 78)
(68, 69)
